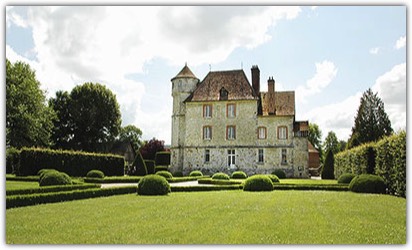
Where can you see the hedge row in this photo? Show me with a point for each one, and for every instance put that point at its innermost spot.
(325, 187)
(50, 189)
(162, 158)
(391, 163)
(73, 163)
(113, 180)
(12, 160)
(219, 182)
(358, 160)
(22, 178)
(34, 199)
(205, 188)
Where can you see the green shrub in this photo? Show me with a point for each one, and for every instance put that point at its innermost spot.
(368, 183)
(258, 183)
(114, 179)
(279, 173)
(161, 168)
(138, 166)
(51, 189)
(220, 176)
(162, 158)
(12, 160)
(196, 173)
(328, 168)
(219, 182)
(53, 178)
(150, 166)
(273, 178)
(41, 172)
(153, 184)
(239, 175)
(165, 174)
(357, 160)
(178, 174)
(95, 174)
(346, 178)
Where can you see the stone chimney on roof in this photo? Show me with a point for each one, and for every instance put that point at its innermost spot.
(271, 85)
(256, 79)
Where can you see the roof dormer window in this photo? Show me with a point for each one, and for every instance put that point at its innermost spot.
(223, 94)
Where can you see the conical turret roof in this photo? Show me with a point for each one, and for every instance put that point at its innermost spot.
(185, 73)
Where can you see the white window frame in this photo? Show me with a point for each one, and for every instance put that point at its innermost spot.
(282, 133)
(231, 110)
(231, 132)
(262, 133)
(207, 132)
(207, 111)
(231, 157)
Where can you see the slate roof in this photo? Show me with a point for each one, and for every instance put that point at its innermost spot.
(278, 103)
(234, 82)
(185, 72)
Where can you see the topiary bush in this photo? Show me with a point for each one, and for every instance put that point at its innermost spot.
(279, 173)
(196, 173)
(95, 174)
(150, 166)
(178, 174)
(161, 168)
(329, 166)
(165, 174)
(139, 166)
(220, 176)
(346, 178)
(153, 184)
(239, 175)
(368, 183)
(258, 183)
(53, 177)
(162, 158)
(273, 178)
(12, 160)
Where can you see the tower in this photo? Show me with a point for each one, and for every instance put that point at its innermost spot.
(183, 84)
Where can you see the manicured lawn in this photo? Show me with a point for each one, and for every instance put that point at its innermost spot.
(225, 217)
(307, 181)
(13, 185)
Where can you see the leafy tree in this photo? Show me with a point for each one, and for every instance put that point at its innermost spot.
(28, 118)
(132, 134)
(315, 137)
(371, 121)
(63, 126)
(329, 166)
(342, 145)
(331, 143)
(150, 148)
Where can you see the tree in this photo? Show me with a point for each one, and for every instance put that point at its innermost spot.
(63, 126)
(331, 143)
(95, 117)
(329, 167)
(342, 145)
(28, 118)
(150, 148)
(371, 121)
(132, 134)
(315, 137)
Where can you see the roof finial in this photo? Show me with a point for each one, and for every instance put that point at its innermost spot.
(210, 67)
(185, 64)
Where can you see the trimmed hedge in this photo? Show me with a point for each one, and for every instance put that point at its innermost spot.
(391, 163)
(162, 158)
(196, 173)
(219, 182)
(178, 174)
(22, 178)
(161, 168)
(50, 189)
(324, 187)
(95, 174)
(150, 166)
(138, 166)
(205, 188)
(368, 183)
(279, 173)
(53, 178)
(165, 174)
(346, 178)
(153, 184)
(73, 163)
(183, 179)
(273, 178)
(220, 176)
(12, 160)
(258, 183)
(358, 160)
(125, 179)
(34, 199)
(239, 175)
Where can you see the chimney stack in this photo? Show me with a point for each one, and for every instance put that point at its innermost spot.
(271, 85)
(256, 79)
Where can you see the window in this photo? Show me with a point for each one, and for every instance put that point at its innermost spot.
(223, 94)
(231, 110)
(261, 133)
(231, 132)
(231, 158)
(284, 159)
(207, 133)
(282, 133)
(207, 155)
(207, 111)
(260, 156)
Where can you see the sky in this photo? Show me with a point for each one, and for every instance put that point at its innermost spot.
(328, 55)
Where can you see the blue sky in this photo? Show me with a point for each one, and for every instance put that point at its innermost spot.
(328, 54)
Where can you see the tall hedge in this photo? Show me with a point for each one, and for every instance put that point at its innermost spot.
(358, 160)
(162, 158)
(74, 163)
(12, 160)
(150, 166)
(139, 165)
(328, 167)
(391, 163)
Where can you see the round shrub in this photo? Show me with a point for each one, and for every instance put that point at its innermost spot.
(346, 178)
(367, 183)
(279, 173)
(153, 184)
(220, 176)
(273, 178)
(196, 173)
(239, 175)
(95, 174)
(258, 183)
(165, 174)
(52, 178)
(43, 171)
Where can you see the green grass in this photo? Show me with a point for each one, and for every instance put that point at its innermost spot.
(307, 181)
(13, 185)
(225, 217)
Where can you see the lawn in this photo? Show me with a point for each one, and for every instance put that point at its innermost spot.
(225, 217)
(13, 185)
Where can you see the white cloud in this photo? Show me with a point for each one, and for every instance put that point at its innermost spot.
(401, 42)
(78, 44)
(374, 51)
(313, 7)
(325, 72)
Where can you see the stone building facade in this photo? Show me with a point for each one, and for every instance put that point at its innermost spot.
(223, 124)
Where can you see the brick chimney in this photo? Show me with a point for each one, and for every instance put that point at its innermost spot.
(271, 85)
(256, 79)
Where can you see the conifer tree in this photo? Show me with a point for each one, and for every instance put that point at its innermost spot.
(328, 168)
